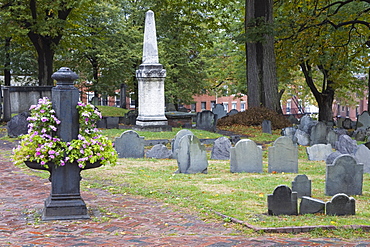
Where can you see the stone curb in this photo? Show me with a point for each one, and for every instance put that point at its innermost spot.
(291, 229)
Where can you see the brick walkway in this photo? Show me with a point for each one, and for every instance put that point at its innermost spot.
(121, 220)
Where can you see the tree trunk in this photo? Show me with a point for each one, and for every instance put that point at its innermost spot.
(7, 74)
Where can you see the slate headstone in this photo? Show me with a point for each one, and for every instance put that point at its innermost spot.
(306, 123)
(176, 141)
(347, 123)
(318, 133)
(18, 125)
(129, 145)
(221, 149)
(345, 175)
(112, 122)
(346, 145)
(159, 151)
(302, 137)
(363, 120)
(283, 156)
(289, 132)
(206, 120)
(360, 135)
(302, 185)
(246, 156)
(282, 201)
(266, 127)
(332, 138)
(191, 156)
(311, 206)
(233, 112)
(331, 157)
(219, 110)
(341, 204)
(340, 122)
(319, 151)
(362, 156)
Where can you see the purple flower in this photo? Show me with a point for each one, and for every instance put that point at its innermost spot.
(44, 119)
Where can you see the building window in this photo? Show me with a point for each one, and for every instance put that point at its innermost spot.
(347, 112)
(288, 106)
(203, 105)
(132, 101)
(342, 108)
(233, 105)
(193, 107)
(242, 106)
(213, 103)
(226, 106)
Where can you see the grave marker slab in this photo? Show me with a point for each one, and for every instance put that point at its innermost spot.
(246, 156)
(219, 110)
(18, 125)
(206, 120)
(311, 206)
(363, 120)
(283, 156)
(176, 141)
(129, 145)
(319, 151)
(345, 175)
(362, 156)
(266, 127)
(318, 133)
(233, 112)
(341, 204)
(282, 201)
(159, 151)
(191, 155)
(221, 149)
(302, 185)
(346, 145)
(302, 137)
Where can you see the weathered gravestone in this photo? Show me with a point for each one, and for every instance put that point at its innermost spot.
(266, 127)
(331, 157)
(159, 151)
(345, 175)
(302, 185)
(219, 110)
(112, 122)
(283, 156)
(347, 123)
(18, 125)
(191, 155)
(289, 132)
(319, 151)
(346, 145)
(311, 206)
(221, 149)
(206, 120)
(362, 156)
(176, 141)
(302, 137)
(341, 204)
(306, 123)
(282, 201)
(129, 145)
(363, 120)
(318, 133)
(332, 138)
(233, 112)
(246, 156)
(360, 135)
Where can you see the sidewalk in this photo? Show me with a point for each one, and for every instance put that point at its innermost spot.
(121, 220)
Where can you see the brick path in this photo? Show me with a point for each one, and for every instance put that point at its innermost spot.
(121, 220)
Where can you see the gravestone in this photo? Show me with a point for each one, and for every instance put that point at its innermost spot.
(363, 120)
(130, 117)
(159, 151)
(129, 145)
(292, 119)
(283, 156)
(302, 185)
(318, 133)
(221, 149)
(302, 137)
(341, 204)
(191, 156)
(219, 110)
(347, 123)
(282, 201)
(306, 124)
(206, 120)
(332, 138)
(234, 139)
(362, 156)
(112, 122)
(345, 175)
(360, 135)
(346, 145)
(246, 156)
(170, 107)
(331, 157)
(266, 127)
(289, 132)
(176, 141)
(311, 206)
(319, 151)
(233, 112)
(18, 125)
(340, 122)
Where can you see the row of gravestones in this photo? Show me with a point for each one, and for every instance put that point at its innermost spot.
(343, 175)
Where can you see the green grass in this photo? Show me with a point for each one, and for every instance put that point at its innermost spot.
(112, 111)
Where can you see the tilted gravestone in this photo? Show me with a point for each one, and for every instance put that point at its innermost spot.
(306, 123)
(206, 120)
(282, 201)
(233, 112)
(246, 156)
(331, 157)
(159, 151)
(332, 138)
(191, 156)
(221, 149)
(346, 145)
(360, 135)
(129, 145)
(302, 137)
(283, 156)
(311, 206)
(363, 120)
(18, 125)
(362, 156)
(347, 123)
(266, 127)
(176, 141)
(302, 185)
(341, 204)
(318, 133)
(219, 110)
(319, 151)
(345, 175)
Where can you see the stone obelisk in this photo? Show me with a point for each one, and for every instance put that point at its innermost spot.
(150, 76)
